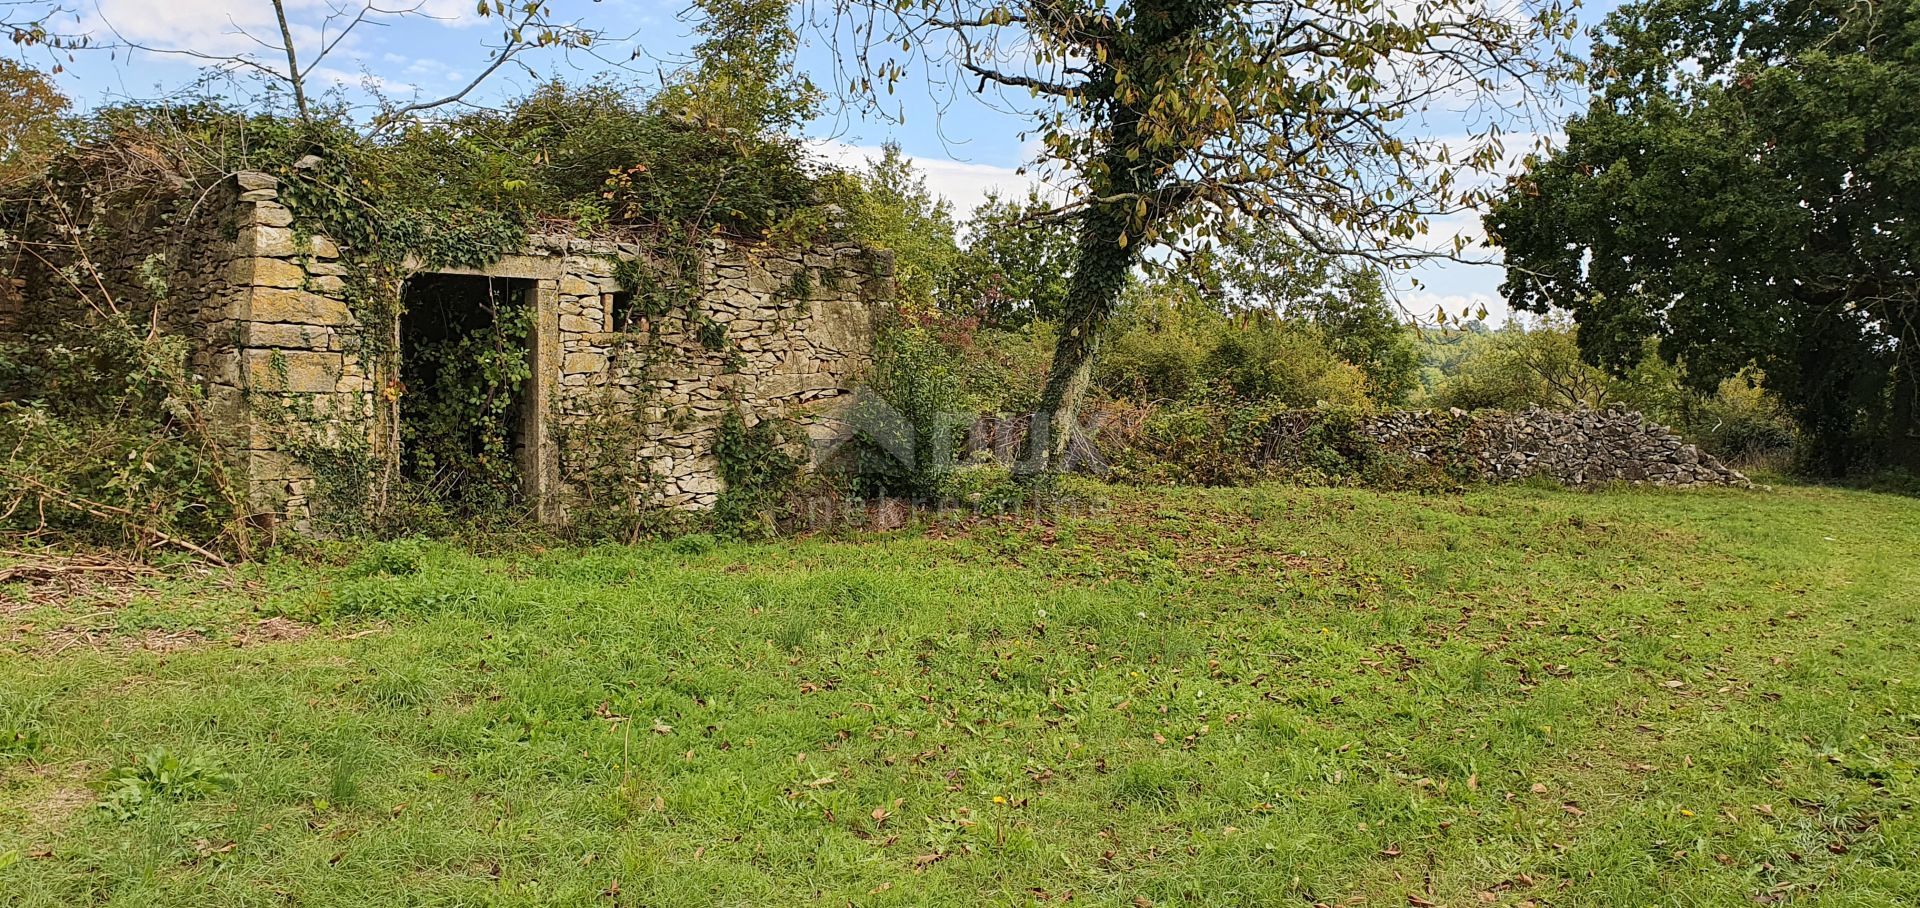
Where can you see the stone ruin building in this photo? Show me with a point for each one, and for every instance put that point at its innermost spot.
(263, 301)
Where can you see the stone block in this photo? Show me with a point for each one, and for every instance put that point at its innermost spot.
(271, 470)
(298, 371)
(322, 248)
(258, 239)
(289, 337)
(225, 366)
(584, 364)
(250, 180)
(272, 214)
(298, 307)
(268, 272)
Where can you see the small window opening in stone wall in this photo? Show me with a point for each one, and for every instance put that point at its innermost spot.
(466, 372)
(619, 309)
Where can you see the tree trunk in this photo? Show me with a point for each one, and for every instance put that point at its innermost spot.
(1904, 437)
(1131, 170)
(1099, 275)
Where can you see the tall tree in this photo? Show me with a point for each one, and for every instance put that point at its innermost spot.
(1258, 267)
(898, 211)
(1166, 118)
(742, 76)
(1742, 186)
(1027, 261)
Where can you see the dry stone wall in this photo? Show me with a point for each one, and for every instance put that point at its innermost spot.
(179, 255)
(1574, 447)
(761, 332)
(297, 358)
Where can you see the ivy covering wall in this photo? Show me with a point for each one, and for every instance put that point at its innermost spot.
(591, 162)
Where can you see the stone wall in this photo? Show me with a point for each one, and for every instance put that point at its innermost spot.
(289, 367)
(296, 358)
(794, 332)
(150, 252)
(1573, 447)
(768, 332)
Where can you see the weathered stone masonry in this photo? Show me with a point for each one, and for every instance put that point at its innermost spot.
(783, 353)
(263, 300)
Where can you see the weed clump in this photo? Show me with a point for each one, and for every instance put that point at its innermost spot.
(398, 558)
(161, 776)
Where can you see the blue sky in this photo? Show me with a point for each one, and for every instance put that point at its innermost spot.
(965, 147)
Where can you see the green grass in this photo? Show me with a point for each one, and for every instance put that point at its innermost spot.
(1233, 697)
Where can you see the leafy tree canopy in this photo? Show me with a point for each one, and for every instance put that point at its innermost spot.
(1744, 186)
(1261, 268)
(1027, 260)
(30, 107)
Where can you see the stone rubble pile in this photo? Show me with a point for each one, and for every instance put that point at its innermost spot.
(1574, 447)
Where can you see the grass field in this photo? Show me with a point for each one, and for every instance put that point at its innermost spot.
(1276, 696)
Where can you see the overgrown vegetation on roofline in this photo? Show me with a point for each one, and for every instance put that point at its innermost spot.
(105, 416)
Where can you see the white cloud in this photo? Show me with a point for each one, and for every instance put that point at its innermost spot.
(331, 75)
(965, 185)
(206, 26)
(247, 27)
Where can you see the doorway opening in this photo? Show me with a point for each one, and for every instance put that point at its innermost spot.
(466, 367)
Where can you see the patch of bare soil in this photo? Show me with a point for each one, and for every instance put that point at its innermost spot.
(86, 580)
(272, 630)
(153, 640)
(90, 586)
(97, 640)
(50, 810)
(44, 809)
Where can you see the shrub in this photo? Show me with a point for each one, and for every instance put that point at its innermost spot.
(1272, 360)
(1144, 364)
(106, 438)
(1004, 371)
(759, 464)
(911, 424)
(1209, 442)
